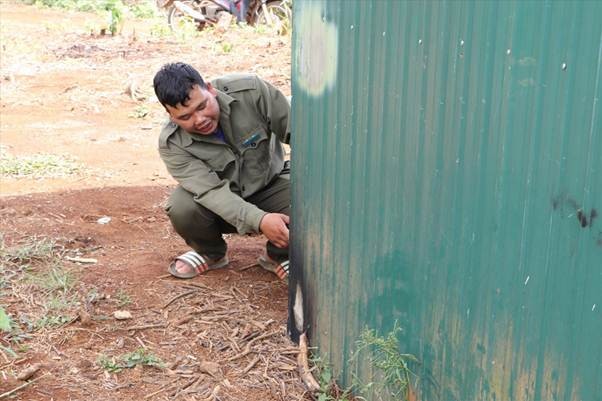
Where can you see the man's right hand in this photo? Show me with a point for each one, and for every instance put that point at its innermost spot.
(274, 227)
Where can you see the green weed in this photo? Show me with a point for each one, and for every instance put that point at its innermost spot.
(34, 267)
(140, 356)
(392, 371)
(38, 166)
(329, 390)
(227, 47)
(32, 250)
(6, 322)
(51, 321)
(123, 298)
(144, 10)
(160, 30)
(57, 279)
(140, 111)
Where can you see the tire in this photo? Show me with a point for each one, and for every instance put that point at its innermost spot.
(280, 15)
(177, 20)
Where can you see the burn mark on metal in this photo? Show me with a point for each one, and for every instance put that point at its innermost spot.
(584, 218)
(592, 215)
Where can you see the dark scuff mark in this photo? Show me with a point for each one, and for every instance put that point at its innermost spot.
(592, 215)
(582, 218)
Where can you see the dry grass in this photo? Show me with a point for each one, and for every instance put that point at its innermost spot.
(195, 342)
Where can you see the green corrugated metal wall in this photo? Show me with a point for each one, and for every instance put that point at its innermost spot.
(447, 165)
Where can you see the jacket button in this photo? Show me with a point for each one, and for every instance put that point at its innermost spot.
(225, 88)
(243, 188)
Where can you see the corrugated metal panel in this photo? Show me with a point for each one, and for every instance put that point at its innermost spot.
(448, 175)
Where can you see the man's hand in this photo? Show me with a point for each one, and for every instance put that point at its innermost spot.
(273, 226)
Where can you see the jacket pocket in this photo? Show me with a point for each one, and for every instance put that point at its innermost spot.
(220, 161)
(255, 149)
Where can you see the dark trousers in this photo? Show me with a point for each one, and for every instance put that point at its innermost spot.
(202, 229)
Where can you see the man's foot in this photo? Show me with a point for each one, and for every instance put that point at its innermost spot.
(191, 264)
(278, 268)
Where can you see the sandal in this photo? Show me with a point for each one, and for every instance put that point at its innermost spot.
(199, 264)
(280, 269)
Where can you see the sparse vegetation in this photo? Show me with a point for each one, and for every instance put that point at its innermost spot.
(140, 356)
(139, 111)
(115, 10)
(38, 166)
(227, 47)
(329, 390)
(5, 321)
(32, 250)
(391, 370)
(392, 374)
(123, 298)
(32, 270)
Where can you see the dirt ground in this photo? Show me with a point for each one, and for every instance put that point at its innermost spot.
(69, 92)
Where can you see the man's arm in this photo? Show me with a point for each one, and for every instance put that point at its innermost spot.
(210, 191)
(276, 109)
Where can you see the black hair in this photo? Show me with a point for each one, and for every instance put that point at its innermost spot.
(174, 81)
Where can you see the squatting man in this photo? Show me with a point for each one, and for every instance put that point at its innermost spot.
(223, 145)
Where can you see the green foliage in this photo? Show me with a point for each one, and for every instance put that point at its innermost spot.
(123, 298)
(50, 321)
(160, 30)
(53, 280)
(227, 47)
(140, 111)
(329, 390)
(391, 370)
(29, 251)
(77, 5)
(116, 10)
(140, 356)
(37, 166)
(34, 266)
(5, 321)
(391, 366)
(144, 10)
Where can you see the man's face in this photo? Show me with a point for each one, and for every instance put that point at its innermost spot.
(200, 114)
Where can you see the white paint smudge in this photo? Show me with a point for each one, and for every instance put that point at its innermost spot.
(316, 49)
(527, 280)
(298, 309)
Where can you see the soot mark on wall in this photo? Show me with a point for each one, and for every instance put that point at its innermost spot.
(569, 207)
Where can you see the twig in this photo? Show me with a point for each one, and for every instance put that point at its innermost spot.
(197, 285)
(250, 366)
(247, 349)
(88, 330)
(213, 394)
(22, 386)
(174, 299)
(14, 362)
(29, 372)
(146, 326)
(140, 342)
(242, 269)
(81, 260)
(164, 388)
(303, 365)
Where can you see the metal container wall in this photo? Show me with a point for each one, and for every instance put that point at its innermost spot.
(447, 163)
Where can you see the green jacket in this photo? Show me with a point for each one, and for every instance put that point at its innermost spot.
(254, 117)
